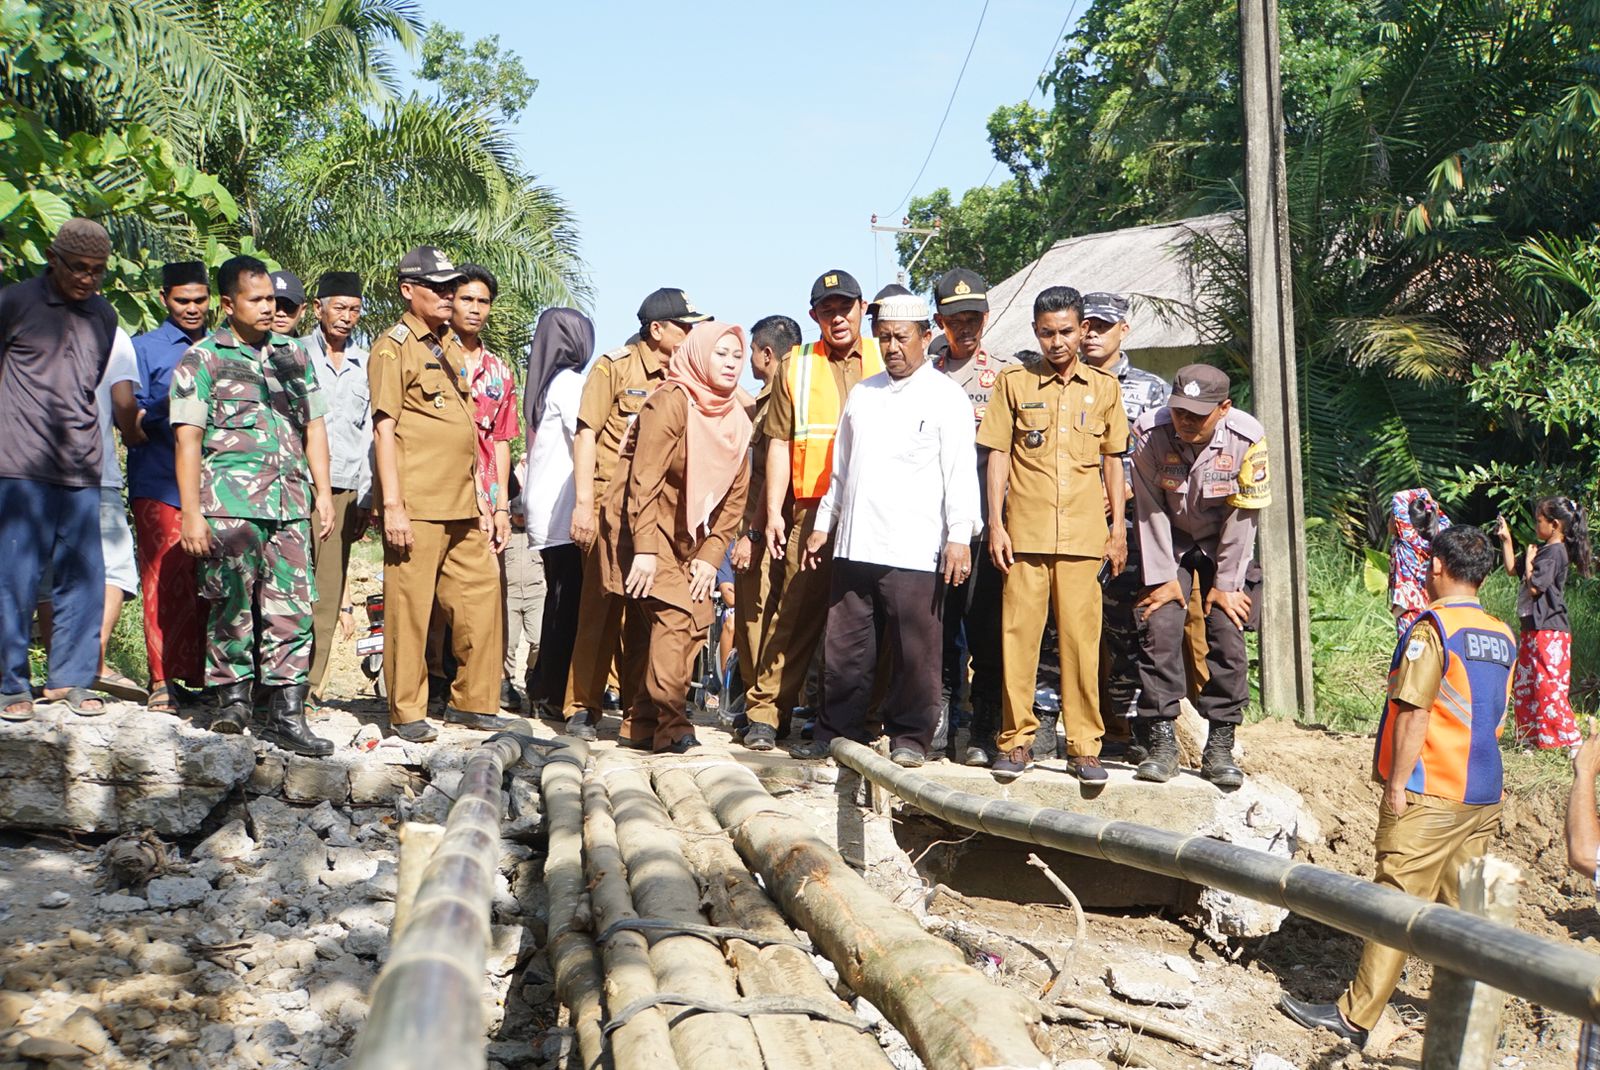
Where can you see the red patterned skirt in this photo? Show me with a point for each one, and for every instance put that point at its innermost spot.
(1540, 690)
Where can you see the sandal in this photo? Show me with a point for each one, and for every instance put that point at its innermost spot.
(117, 685)
(161, 700)
(23, 699)
(77, 700)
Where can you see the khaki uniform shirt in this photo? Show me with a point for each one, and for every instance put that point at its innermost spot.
(643, 511)
(613, 394)
(1056, 429)
(435, 440)
(1204, 497)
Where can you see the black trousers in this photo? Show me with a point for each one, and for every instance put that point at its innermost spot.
(906, 608)
(563, 578)
(1162, 680)
(973, 608)
(1119, 640)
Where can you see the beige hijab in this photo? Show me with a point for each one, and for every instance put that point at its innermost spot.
(719, 430)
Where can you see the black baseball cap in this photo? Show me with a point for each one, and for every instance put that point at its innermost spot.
(671, 305)
(427, 264)
(960, 290)
(1199, 388)
(835, 283)
(1107, 307)
(286, 286)
(894, 289)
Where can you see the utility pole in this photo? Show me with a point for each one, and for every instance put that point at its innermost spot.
(903, 275)
(1286, 681)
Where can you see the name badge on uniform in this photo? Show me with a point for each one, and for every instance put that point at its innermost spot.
(1033, 405)
(1224, 462)
(433, 365)
(1218, 490)
(637, 393)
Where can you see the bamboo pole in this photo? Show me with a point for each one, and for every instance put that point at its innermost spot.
(643, 1042)
(1555, 975)
(953, 1017)
(573, 958)
(792, 1042)
(427, 1005)
(418, 841)
(1463, 1015)
(664, 888)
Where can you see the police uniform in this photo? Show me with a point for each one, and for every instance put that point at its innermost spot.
(1197, 508)
(1057, 428)
(800, 601)
(414, 377)
(254, 408)
(972, 609)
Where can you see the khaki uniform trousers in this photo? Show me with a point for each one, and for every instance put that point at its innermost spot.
(799, 612)
(660, 645)
(597, 643)
(753, 610)
(1420, 852)
(1036, 584)
(330, 558)
(450, 560)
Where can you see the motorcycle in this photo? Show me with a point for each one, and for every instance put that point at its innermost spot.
(369, 648)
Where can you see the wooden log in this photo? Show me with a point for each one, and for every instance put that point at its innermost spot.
(1463, 1014)
(418, 841)
(663, 887)
(643, 1042)
(736, 900)
(573, 958)
(954, 1018)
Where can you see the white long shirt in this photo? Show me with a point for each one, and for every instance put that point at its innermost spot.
(905, 472)
(549, 491)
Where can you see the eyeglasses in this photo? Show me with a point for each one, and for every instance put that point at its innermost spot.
(83, 269)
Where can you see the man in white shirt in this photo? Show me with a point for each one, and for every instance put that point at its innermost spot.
(902, 508)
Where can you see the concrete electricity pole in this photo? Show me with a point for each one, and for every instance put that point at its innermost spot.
(1286, 683)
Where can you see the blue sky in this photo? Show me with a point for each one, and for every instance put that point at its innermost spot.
(739, 150)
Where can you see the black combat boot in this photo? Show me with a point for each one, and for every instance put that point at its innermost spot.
(1139, 748)
(981, 749)
(285, 724)
(1216, 762)
(943, 731)
(1162, 764)
(1046, 741)
(233, 707)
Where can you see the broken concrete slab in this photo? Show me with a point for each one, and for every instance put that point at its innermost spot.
(128, 769)
(1151, 985)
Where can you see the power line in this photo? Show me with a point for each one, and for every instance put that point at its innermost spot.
(948, 105)
(1035, 87)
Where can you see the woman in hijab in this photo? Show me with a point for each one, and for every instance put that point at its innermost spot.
(665, 528)
(562, 345)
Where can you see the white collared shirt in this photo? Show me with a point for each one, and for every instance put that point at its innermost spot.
(548, 489)
(905, 472)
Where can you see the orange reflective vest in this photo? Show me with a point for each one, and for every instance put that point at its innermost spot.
(1460, 758)
(817, 406)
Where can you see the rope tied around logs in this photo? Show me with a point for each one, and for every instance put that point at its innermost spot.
(716, 934)
(745, 1007)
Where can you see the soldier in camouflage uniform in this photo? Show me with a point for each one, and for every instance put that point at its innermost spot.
(250, 436)
(1105, 325)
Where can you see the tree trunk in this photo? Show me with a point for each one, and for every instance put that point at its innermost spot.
(953, 1017)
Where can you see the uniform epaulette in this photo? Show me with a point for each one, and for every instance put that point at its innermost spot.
(399, 332)
(1097, 371)
(616, 354)
(1245, 426)
(1154, 418)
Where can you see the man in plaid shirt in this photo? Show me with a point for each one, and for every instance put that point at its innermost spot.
(1583, 855)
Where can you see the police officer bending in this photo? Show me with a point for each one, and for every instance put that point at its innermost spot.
(1199, 480)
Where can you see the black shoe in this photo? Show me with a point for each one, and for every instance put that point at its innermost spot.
(438, 692)
(509, 699)
(1087, 769)
(811, 750)
(483, 722)
(581, 726)
(1322, 1016)
(1046, 740)
(1139, 749)
(611, 701)
(1012, 764)
(981, 749)
(415, 731)
(1162, 764)
(232, 703)
(760, 737)
(684, 745)
(943, 730)
(634, 744)
(1216, 762)
(906, 758)
(808, 728)
(285, 723)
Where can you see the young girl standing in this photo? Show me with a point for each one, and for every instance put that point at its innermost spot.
(1544, 652)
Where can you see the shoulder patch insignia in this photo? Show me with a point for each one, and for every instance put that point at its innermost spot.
(986, 378)
(399, 332)
(1414, 649)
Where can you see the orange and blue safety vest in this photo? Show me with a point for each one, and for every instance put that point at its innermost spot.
(1461, 752)
(817, 407)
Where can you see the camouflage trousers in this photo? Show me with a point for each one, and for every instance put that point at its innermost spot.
(1119, 643)
(258, 581)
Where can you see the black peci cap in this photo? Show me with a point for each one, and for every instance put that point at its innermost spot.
(338, 284)
(286, 286)
(835, 283)
(960, 290)
(184, 273)
(1199, 388)
(670, 305)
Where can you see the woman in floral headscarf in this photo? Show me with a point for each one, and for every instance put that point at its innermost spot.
(666, 526)
(1415, 520)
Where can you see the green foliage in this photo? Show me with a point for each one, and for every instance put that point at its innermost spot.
(481, 77)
